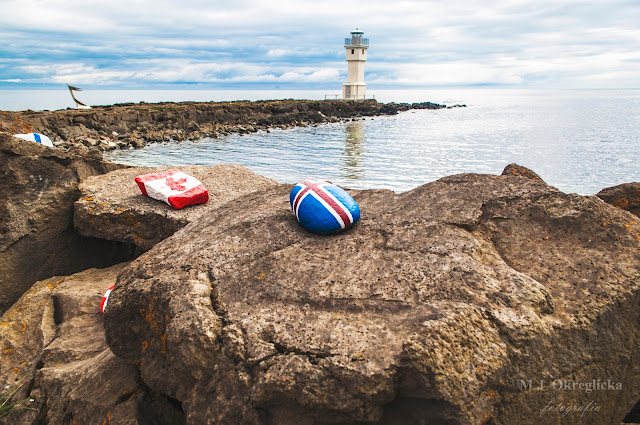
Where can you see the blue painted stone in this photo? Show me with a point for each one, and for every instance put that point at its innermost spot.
(322, 207)
(35, 137)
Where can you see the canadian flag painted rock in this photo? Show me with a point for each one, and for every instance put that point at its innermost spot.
(103, 304)
(173, 187)
(323, 207)
(35, 137)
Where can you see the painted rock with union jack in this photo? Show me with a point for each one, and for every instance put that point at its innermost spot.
(323, 207)
(173, 187)
(103, 304)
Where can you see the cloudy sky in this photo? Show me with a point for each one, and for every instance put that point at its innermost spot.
(299, 44)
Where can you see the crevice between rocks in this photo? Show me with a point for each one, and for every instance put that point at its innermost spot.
(58, 316)
(633, 416)
(415, 411)
(42, 417)
(154, 408)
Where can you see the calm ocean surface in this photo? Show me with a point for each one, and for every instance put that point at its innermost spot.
(577, 140)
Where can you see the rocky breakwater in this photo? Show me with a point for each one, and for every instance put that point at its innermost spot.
(394, 108)
(38, 187)
(134, 125)
(475, 299)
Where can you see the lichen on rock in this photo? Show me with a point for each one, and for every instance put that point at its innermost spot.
(625, 196)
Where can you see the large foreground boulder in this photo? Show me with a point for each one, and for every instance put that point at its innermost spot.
(52, 345)
(474, 299)
(112, 207)
(38, 186)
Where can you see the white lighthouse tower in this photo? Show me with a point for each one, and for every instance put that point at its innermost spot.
(356, 45)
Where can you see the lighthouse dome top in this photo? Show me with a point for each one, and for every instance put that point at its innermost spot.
(356, 39)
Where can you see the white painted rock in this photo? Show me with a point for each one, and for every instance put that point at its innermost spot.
(35, 137)
(173, 187)
(323, 207)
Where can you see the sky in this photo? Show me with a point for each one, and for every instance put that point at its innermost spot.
(300, 44)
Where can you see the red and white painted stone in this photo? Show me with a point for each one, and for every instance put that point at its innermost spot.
(173, 187)
(103, 304)
(322, 207)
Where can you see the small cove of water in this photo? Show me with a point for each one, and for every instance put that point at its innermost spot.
(578, 141)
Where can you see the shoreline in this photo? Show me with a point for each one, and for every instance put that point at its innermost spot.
(133, 125)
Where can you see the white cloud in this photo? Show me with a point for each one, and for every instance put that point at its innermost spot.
(159, 71)
(456, 73)
(315, 76)
(276, 53)
(554, 42)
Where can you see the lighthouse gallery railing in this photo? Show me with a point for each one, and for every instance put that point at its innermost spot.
(356, 41)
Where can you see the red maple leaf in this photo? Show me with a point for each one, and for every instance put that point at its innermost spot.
(176, 184)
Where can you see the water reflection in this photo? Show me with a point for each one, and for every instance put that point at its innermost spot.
(352, 167)
(578, 144)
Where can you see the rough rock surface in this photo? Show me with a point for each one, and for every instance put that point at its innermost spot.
(134, 125)
(442, 305)
(53, 338)
(38, 186)
(624, 196)
(519, 170)
(112, 207)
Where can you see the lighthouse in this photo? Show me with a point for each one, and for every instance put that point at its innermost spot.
(356, 46)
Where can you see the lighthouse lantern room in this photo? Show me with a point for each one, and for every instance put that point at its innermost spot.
(356, 46)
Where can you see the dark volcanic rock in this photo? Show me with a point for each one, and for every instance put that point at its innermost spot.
(519, 170)
(427, 105)
(393, 108)
(38, 186)
(441, 304)
(624, 196)
(53, 338)
(112, 207)
(133, 125)
(123, 125)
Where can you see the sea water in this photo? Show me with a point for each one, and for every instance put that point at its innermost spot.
(577, 140)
